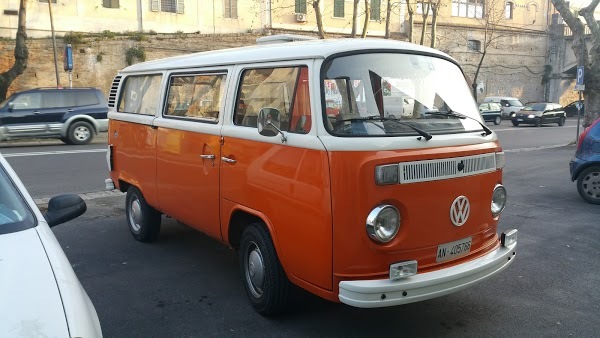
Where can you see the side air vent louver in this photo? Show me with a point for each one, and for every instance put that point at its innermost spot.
(432, 170)
(112, 95)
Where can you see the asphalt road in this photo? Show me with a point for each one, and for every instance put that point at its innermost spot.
(187, 284)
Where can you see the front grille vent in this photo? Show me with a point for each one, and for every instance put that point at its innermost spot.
(112, 95)
(433, 170)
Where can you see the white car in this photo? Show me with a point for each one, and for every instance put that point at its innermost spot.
(40, 295)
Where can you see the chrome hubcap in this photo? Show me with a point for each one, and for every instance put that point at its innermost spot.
(135, 214)
(82, 133)
(591, 185)
(255, 270)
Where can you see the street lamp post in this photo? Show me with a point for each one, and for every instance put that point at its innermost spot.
(53, 44)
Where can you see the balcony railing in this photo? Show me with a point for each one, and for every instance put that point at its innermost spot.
(568, 32)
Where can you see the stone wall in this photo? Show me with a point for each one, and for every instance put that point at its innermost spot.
(513, 67)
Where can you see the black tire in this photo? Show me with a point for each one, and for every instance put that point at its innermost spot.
(561, 121)
(516, 124)
(66, 140)
(268, 293)
(588, 184)
(142, 219)
(537, 123)
(497, 120)
(80, 132)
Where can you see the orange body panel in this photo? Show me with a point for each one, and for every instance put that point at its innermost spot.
(291, 187)
(134, 156)
(188, 185)
(424, 208)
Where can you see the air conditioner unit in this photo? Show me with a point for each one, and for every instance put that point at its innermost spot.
(300, 17)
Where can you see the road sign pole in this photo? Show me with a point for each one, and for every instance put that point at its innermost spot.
(578, 117)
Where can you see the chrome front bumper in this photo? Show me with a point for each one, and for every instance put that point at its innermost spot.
(386, 292)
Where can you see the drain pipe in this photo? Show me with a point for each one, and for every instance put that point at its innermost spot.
(139, 14)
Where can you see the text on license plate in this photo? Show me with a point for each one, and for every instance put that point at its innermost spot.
(519, 120)
(453, 250)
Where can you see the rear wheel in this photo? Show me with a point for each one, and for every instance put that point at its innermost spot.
(143, 220)
(588, 185)
(266, 284)
(80, 132)
(497, 120)
(537, 123)
(561, 121)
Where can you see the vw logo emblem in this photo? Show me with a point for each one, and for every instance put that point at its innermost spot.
(459, 211)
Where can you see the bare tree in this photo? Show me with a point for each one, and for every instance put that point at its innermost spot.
(21, 54)
(388, 14)
(367, 17)
(425, 6)
(317, 6)
(590, 59)
(354, 17)
(435, 8)
(411, 22)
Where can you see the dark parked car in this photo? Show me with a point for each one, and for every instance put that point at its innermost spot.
(585, 166)
(540, 113)
(73, 115)
(491, 112)
(572, 108)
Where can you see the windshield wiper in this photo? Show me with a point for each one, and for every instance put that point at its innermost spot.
(451, 113)
(372, 118)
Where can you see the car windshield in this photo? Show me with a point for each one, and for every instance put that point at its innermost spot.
(515, 103)
(391, 94)
(14, 213)
(535, 107)
(5, 102)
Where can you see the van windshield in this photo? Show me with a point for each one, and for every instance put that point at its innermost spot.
(392, 94)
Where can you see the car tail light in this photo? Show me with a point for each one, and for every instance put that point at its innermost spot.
(584, 134)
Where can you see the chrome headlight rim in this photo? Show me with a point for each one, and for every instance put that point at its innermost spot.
(496, 211)
(373, 226)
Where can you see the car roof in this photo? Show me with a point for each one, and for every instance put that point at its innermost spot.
(297, 50)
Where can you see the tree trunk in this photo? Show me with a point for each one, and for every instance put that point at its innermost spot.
(589, 59)
(434, 15)
(388, 14)
(411, 22)
(317, 6)
(21, 54)
(367, 17)
(425, 15)
(354, 17)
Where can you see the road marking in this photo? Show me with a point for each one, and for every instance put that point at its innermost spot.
(88, 196)
(532, 128)
(519, 150)
(61, 152)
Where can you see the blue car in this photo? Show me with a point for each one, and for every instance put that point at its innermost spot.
(585, 166)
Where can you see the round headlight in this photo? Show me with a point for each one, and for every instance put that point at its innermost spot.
(531, 116)
(383, 223)
(498, 200)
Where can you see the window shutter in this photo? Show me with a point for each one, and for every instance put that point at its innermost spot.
(338, 8)
(300, 6)
(375, 10)
(154, 5)
(234, 9)
(180, 6)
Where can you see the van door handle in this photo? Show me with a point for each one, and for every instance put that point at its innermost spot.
(228, 160)
(208, 157)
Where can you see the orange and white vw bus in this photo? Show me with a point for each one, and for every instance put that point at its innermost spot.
(359, 170)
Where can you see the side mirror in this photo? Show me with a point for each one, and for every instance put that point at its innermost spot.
(11, 106)
(64, 208)
(269, 123)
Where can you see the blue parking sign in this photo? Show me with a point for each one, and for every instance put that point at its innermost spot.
(580, 75)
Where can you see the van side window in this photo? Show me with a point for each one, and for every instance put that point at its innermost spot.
(196, 96)
(140, 95)
(285, 89)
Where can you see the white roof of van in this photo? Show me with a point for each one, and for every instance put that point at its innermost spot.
(297, 50)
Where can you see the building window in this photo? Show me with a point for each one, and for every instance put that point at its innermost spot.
(467, 8)
(508, 10)
(338, 8)
(230, 9)
(110, 3)
(474, 45)
(375, 10)
(421, 5)
(46, 1)
(300, 6)
(169, 6)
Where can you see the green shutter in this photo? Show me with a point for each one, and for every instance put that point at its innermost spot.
(375, 10)
(338, 8)
(300, 6)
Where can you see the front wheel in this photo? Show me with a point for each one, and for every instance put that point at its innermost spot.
(143, 220)
(80, 132)
(266, 284)
(588, 185)
(516, 124)
(561, 121)
(497, 120)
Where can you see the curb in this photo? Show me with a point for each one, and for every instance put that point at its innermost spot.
(43, 202)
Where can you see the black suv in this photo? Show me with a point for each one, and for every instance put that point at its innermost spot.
(73, 115)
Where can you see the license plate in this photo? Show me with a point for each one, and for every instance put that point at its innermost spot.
(452, 250)
(520, 120)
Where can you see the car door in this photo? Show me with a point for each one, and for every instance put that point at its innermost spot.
(21, 116)
(188, 149)
(56, 104)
